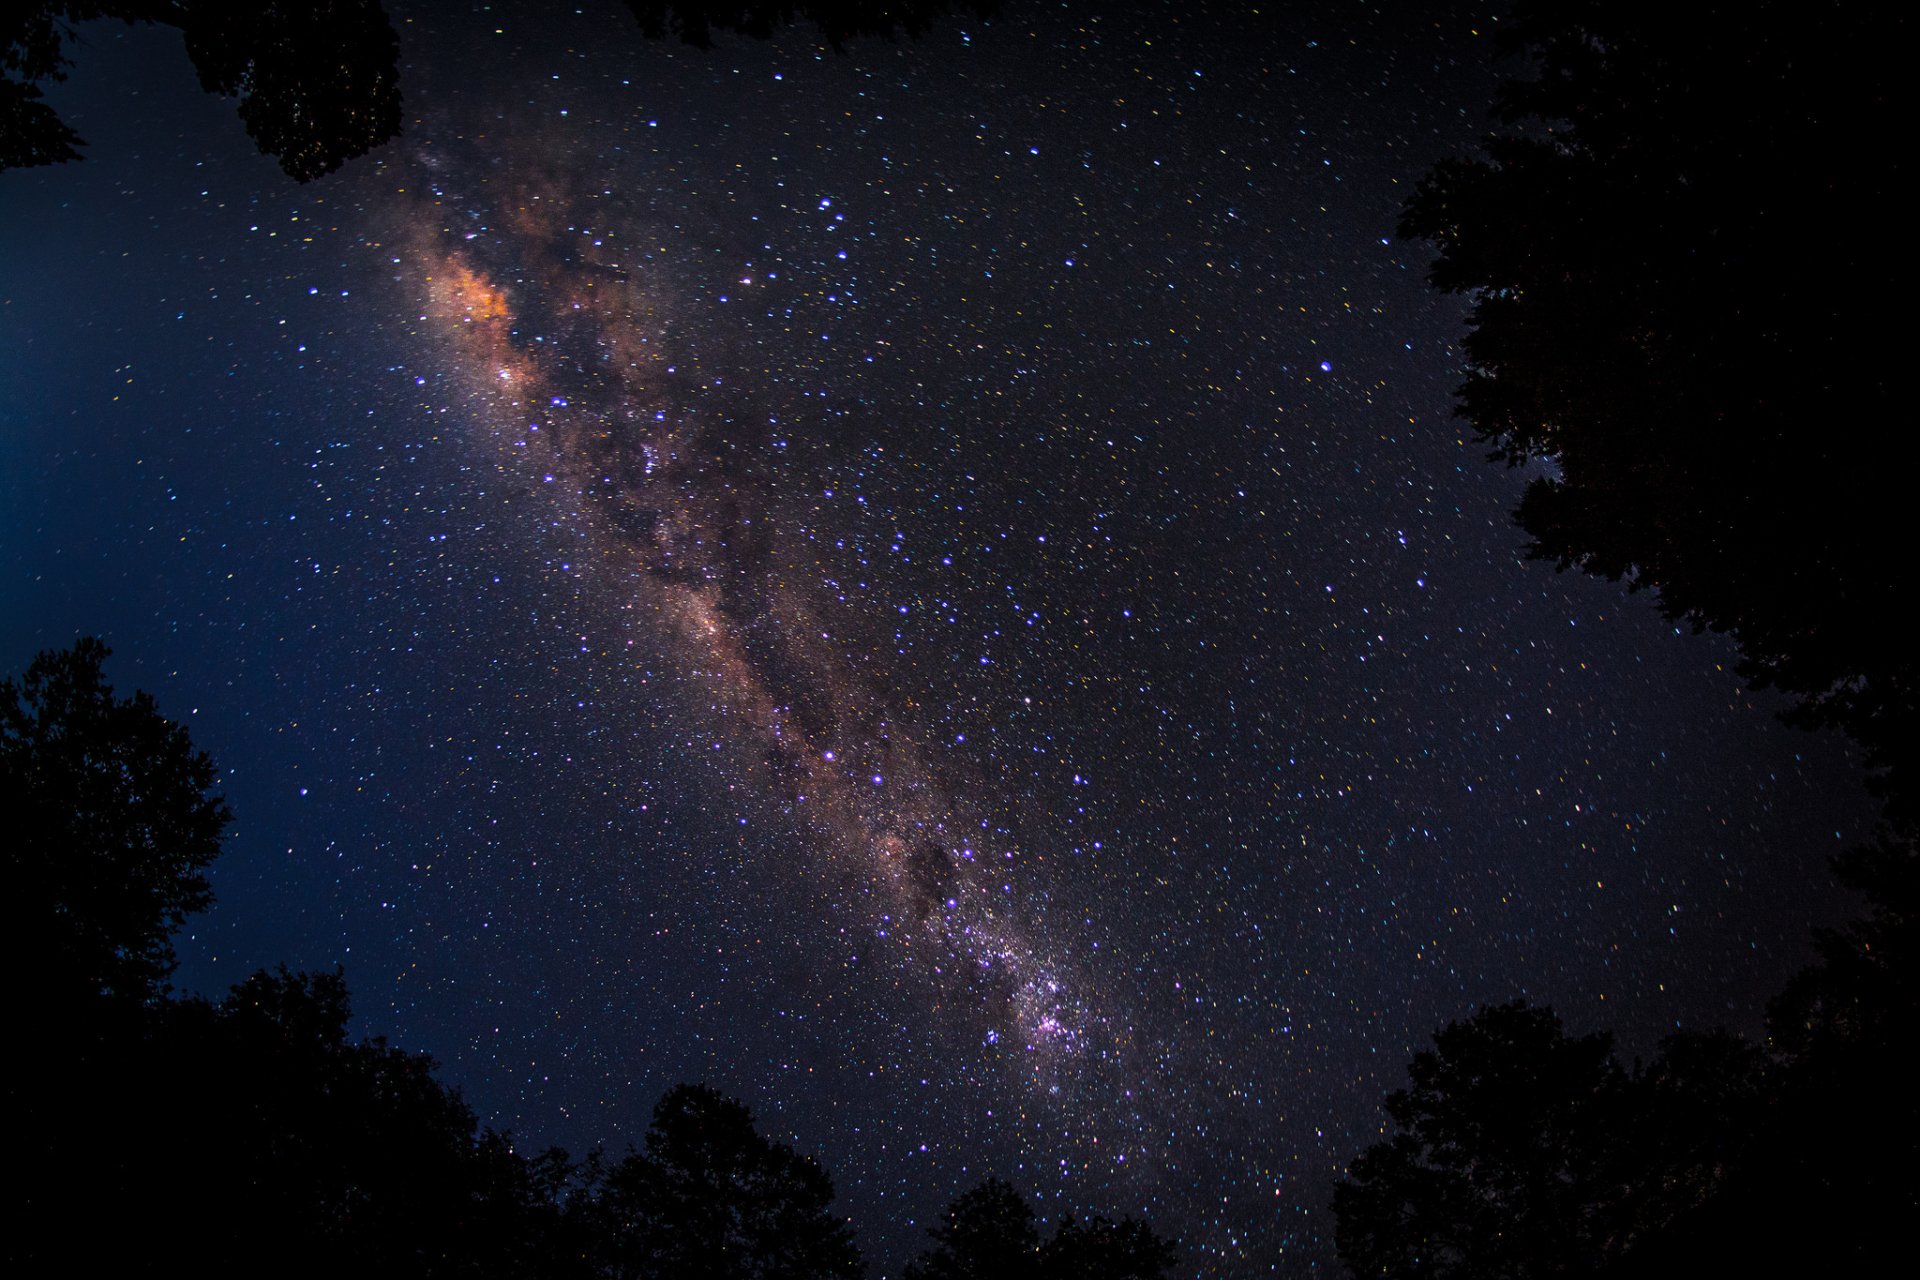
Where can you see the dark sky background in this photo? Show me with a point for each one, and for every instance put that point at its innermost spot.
(936, 590)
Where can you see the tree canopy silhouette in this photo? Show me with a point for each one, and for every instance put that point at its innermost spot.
(1842, 1142)
(112, 820)
(988, 1233)
(1675, 255)
(1500, 1155)
(257, 1134)
(1101, 1249)
(329, 1154)
(1677, 316)
(318, 81)
(1521, 1151)
(711, 1199)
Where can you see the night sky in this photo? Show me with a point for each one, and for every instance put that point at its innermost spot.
(936, 590)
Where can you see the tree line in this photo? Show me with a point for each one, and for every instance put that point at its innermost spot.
(254, 1134)
(1674, 307)
(316, 83)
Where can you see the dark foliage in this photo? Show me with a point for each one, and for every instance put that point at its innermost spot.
(111, 819)
(1520, 1151)
(1501, 1155)
(318, 81)
(1100, 1249)
(264, 1138)
(1677, 254)
(989, 1234)
(259, 1122)
(30, 131)
(253, 1130)
(1861, 996)
(256, 1132)
(1677, 307)
(711, 1199)
(1843, 1142)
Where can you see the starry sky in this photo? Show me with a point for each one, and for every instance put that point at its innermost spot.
(935, 589)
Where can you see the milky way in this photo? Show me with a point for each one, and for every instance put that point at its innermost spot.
(560, 333)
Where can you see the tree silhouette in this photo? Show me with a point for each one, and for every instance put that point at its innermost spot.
(1688, 1124)
(1676, 305)
(289, 1146)
(257, 1135)
(318, 81)
(1864, 989)
(344, 1156)
(988, 1233)
(1521, 1151)
(1676, 314)
(112, 819)
(1100, 1249)
(1841, 1144)
(1503, 1141)
(711, 1199)
(31, 132)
